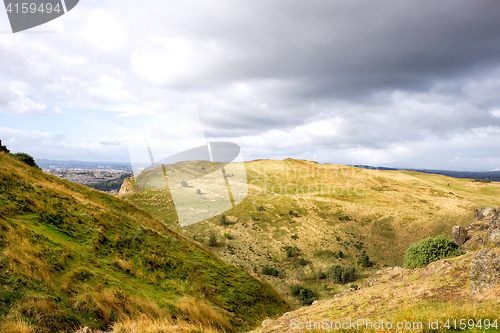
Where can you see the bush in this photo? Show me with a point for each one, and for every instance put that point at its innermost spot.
(320, 274)
(431, 249)
(198, 191)
(212, 239)
(295, 290)
(364, 261)
(223, 220)
(25, 158)
(354, 286)
(302, 262)
(227, 236)
(261, 209)
(340, 254)
(305, 295)
(341, 274)
(266, 270)
(3, 148)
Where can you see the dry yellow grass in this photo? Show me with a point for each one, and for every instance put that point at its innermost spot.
(16, 325)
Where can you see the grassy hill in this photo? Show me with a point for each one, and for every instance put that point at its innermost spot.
(71, 256)
(300, 212)
(438, 294)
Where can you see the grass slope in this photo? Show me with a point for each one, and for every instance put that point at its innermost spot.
(334, 208)
(71, 257)
(415, 297)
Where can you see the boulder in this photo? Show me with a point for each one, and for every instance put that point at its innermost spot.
(484, 270)
(459, 235)
(494, 237)
(485, 214)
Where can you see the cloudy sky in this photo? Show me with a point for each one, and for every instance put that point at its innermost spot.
(388, 83)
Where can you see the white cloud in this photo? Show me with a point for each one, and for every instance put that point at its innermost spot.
(104, 29)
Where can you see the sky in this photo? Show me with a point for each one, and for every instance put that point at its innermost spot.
(410, 83)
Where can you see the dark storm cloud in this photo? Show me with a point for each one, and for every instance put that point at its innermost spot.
(364, 81)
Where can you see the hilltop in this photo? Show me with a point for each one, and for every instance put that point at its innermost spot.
(300, 212)
(71, 256)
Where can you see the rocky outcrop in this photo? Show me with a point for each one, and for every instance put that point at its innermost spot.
(484, 270)
(459, 235)
(484, 231)
(129, 186)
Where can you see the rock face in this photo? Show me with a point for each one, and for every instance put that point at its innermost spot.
(459, 235)
(128, 187)
(484, 270)
(485, 230)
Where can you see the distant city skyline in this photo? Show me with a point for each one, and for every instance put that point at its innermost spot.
(412, 84)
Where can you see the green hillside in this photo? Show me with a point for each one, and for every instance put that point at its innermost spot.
(300, 214)
(71, 257)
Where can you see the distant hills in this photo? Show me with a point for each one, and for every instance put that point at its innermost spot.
(493, 175)
(46, 164)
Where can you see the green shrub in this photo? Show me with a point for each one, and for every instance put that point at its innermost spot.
(295, 290)
(305, 295)
(431, 249)
(302, 262)
(364, 261)
(3, 148)
(227, 236)
(261, 209)
(223, 220)
(340, 254)
(354, 286)
(341, 274)
(266, 270)
(212, 239)
(25, 158)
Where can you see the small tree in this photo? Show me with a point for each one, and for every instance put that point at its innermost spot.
(341, 274)
(212, 239)
(198, 191)
(223, 220)
(3, 148)
(364, 261)
(25, 158)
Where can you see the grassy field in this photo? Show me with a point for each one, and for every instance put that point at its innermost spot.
(71, 256)
(320, 209)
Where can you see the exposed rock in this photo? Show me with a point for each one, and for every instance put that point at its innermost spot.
(485, 213)
(484, 231)
(494, 237)
(266, 322)
(459, 235)
(84, 330)
(484, 270)
(128, 186)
